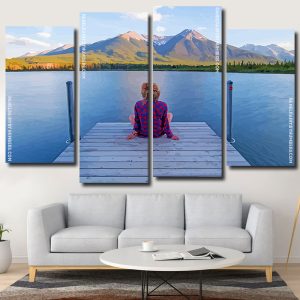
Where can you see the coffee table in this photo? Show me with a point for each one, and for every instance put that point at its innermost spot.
(131, 258)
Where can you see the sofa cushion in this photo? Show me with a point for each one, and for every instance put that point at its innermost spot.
(222, 236)
(155, 210)
(96, 210)
(85, 239)
(213, 209)
(160, 236)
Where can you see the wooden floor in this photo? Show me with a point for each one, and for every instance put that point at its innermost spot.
(291, 275)
(106, 156)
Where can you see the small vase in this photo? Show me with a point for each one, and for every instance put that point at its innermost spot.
(5, 256)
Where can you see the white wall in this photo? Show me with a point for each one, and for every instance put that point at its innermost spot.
(23, 187)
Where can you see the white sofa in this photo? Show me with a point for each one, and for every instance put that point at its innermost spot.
(72, 235)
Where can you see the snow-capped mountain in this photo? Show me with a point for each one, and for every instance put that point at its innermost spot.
(271, 50)
(54, 51)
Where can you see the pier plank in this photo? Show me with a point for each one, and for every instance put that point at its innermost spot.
(198, 153)
(106, 156)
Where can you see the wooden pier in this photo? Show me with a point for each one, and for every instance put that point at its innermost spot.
(106, 156)
(198, 153)
(234, 158)
(67, 156)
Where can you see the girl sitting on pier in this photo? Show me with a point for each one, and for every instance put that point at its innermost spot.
(161, 117)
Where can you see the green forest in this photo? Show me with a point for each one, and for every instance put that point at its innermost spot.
(64, 62)
(115, 67)
(252, 67)
(233, 67)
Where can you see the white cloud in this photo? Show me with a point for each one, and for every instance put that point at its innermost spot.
(139, 15)
(156, 15)
(25, 41)
(160, 29)
(44, 34)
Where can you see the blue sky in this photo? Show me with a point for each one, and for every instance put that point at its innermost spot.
(281, 37)
(104, 25)
(20, 40)
(168, 20)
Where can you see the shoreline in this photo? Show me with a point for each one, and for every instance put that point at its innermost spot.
(154, 70)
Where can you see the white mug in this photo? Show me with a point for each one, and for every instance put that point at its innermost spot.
(147, 245)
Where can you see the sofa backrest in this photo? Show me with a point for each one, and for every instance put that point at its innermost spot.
(154, 210)
(213, 210)
(97, 210)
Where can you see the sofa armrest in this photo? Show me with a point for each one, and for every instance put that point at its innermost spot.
(260, 226)
(42, 223)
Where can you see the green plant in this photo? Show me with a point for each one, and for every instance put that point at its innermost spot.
(2, 230)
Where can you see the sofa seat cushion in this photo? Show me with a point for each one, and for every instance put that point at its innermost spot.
(222, 236)
(85, 239)
(160, 235)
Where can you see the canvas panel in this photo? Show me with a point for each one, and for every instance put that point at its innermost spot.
(114, 65)
(39, 94)
(187, 130)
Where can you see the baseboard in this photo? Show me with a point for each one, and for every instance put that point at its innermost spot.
(278, 260)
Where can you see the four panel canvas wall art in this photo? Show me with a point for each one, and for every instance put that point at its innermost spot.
(39, 123)
(115, 95)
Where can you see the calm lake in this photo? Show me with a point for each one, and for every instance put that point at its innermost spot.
(110, 96)
(39, 114)
(261, 117)
(40, 118)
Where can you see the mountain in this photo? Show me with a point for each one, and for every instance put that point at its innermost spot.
(271, 50)
(160, 40)
(188, 45)
(238, 54)
(187, 48)
(129, 47)
(132, 35)
(67, 48)
(59, 50)
(191, 47)
(30, 54)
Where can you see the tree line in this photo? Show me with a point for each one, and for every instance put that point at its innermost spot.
(283, 67)
(24, 68)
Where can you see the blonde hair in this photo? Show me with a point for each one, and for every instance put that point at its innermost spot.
(145, 91)
(156, 91)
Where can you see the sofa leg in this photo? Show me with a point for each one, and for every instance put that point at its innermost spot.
(32, 273)
(269, 274)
